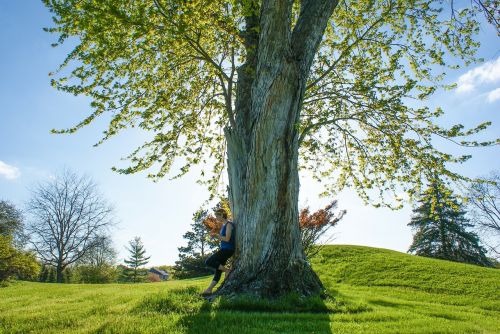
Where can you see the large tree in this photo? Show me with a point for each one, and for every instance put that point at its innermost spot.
(312, 225)
(67, 216)
(264, 82)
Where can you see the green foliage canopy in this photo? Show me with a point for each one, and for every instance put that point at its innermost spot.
(104, 273)
(16, 263)
(11, 224)
(171, 68)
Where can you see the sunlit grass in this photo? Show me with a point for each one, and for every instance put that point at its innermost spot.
(373, 291)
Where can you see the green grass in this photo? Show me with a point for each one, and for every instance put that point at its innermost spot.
(374, 291)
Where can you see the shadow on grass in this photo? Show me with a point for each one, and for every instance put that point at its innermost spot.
(415, 308)
(246, 314)
(385, 303)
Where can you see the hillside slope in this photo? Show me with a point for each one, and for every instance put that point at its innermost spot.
(367, 266)
(374, 291)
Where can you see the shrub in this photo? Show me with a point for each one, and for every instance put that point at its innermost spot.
(95, 274)
(15, 263)
(153, 278)
(191, 266)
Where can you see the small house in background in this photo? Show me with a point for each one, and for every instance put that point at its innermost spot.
(162, 274)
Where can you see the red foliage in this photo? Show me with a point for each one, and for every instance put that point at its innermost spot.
(316, 220)
(315, 225)
(319, 218)
(212, 224)
(153, 278)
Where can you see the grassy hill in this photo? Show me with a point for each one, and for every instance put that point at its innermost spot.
(372, 291)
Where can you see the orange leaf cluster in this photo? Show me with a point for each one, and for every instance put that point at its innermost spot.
(319, 218)
(212, 224)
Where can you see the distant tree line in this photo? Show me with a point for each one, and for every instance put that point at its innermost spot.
(99, 266)
(65, 237)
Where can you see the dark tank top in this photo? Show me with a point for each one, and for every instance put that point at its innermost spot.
(227, 244)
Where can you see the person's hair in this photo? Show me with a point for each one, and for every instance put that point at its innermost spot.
(221, 212)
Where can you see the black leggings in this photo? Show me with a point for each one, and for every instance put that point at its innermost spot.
(217, 259)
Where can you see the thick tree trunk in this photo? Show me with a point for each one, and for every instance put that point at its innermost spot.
(264, 185)
(263, 150)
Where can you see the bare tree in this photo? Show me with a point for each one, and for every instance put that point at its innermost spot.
(484, 199)
(100, 253)
(67, 215)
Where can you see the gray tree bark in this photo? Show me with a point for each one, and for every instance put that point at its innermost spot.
(263, 150)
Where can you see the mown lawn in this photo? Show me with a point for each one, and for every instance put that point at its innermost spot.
(373, 291)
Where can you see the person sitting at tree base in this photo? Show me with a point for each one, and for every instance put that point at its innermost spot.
(218, 260)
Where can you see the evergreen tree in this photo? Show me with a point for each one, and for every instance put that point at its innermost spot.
(442, 229)
(211, 223)
(136, 260)
(192, 257)
(51, 275)
(198, 243)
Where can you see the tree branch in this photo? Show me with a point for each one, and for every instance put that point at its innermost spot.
(348, 49)
(309, 29)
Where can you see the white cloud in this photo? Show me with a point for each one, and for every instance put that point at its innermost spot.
(9, 172)
(494, 95)
(488, 72)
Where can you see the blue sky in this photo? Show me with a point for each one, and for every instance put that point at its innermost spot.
(161, 212)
